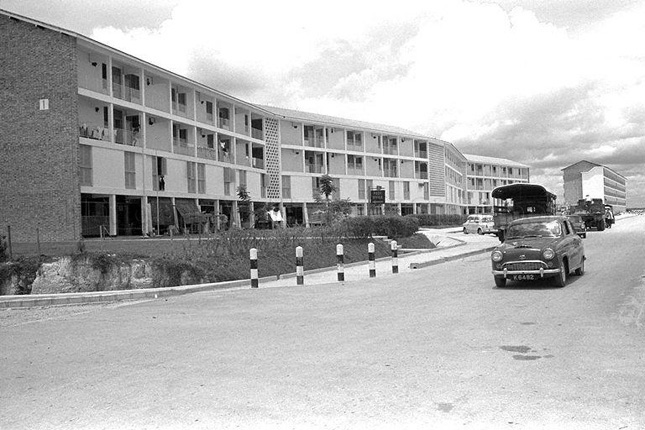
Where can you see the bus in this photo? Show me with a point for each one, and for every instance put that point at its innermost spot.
(520, 200)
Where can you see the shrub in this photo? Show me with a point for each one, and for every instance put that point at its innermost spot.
(393, 226)
(436, 220)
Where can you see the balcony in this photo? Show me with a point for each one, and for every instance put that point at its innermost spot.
(224, 123)
(126, 137)
(421, 154)
(258, 163)
(257, 133)
(314, 168)
(208, 153)
(94, 132)
(183, 149)
(389, 173)
(225, 157)
(421, 175)
(315, 142)
(355, 171)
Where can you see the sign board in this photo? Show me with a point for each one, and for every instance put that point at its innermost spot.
(377, 197)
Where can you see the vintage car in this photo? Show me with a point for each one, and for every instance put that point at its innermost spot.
(578, 225)
(536, 248)
(479, 224)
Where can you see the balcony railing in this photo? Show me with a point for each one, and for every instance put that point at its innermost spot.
(225, 157)
(314, 168)
(183, 149)
(314, 142)
(390, 150)
(355, 171)
(95, 132)
(258, 163)
(224, 123)
(208, 153)
(389, 173)
(421, 175)
(132, 95)
(257, 133)
(127, 137)
(90, 82)
(421, 154)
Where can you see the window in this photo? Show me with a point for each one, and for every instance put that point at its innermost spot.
(190, 176)
(286, 187)
(209, 108)
(426, 191)
(130, 170)
(229, 178)
(201, 178)
(361, 189)
(159, 173)
(210, 141)
(85, 164)
(242, 177)
(406, 191)
(392, 186)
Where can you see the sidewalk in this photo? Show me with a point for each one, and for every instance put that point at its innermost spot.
(451, 244)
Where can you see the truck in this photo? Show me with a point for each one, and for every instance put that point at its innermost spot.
(520, 200)
(594, 213)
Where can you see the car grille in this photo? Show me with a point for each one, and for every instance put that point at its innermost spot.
(524, 265)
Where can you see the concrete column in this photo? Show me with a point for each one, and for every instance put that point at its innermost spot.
(113, 225)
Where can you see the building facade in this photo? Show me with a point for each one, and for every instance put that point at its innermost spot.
(585, 178)
(97, 142)
(487, 173)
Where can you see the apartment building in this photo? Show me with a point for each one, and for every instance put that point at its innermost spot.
(97, 142)
(360, 157)
(485, 174)
(585, 178)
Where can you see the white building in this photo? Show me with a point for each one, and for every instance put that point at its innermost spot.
(585, 178)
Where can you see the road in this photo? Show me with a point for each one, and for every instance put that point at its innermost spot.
(439, 347)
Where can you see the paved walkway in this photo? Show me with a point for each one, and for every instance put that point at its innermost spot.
(451, 244)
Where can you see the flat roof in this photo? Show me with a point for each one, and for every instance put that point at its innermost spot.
(309, 117)
(492, 160)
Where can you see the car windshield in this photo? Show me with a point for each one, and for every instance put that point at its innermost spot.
(534, 229)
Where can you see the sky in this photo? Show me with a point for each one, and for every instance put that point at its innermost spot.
(546, 83)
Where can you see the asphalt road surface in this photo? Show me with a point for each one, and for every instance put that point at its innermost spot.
(437, 348)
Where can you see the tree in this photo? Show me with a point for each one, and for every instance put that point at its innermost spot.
(244, 205)
(327, 187)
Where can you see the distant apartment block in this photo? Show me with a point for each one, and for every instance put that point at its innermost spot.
(487, 173)
(585, 178)
(97, 142)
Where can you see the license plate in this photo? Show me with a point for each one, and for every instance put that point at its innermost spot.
(524, 277)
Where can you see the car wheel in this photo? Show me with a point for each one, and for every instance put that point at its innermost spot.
(465, 230)
(601, 225)
(561, 279)
(581, 270)
(500, 281)
(480, 231)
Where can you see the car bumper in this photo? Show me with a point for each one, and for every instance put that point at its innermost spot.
(540, 272)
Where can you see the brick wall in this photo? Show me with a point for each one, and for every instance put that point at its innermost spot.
(39, 185)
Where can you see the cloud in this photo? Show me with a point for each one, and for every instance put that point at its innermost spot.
(545, 83)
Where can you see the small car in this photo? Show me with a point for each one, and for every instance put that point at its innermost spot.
(578, 225)
(536, 248)
(479, 224)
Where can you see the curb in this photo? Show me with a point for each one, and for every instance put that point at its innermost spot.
(451, 258)
(33, 300)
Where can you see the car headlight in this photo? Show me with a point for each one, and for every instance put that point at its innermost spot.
(548, 254)
(497, 256)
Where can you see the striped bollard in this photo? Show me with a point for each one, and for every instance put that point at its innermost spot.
(300, 272)
(253, 253)
(395, 256)
(372, 262)
(340, 258)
